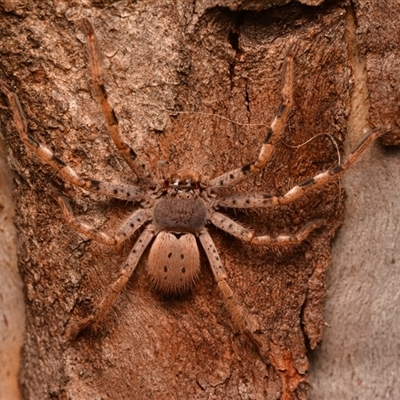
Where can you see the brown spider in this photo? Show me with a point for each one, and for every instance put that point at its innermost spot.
(177, 210)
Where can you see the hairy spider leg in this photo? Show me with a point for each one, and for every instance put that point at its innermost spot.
(258, 200)
(235, 176)
(126, 272)
(228, 225)
(236, 311)
(125, 231)
(117, 191)
(129, 155)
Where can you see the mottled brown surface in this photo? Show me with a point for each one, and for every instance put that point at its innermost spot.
(12, 317)
(358, 357)
(159, 58)
(378, 36)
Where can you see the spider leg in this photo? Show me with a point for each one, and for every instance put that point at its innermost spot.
(127, 152)
(241, 200)
(245, 200)
(126, 272)
(334, 172)
(235, 176)
(237, 312)
(127, 229)
(233, 228)
(118, 191)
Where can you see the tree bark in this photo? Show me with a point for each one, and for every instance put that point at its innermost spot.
(196, 84)
(12, 319)
(358, 357)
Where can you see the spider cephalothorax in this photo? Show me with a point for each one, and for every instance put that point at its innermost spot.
(175, 212)
(179, 216)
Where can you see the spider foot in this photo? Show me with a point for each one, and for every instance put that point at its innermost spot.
(74, 330)
(259, 345)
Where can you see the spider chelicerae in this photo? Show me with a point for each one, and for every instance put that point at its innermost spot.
(175, 211)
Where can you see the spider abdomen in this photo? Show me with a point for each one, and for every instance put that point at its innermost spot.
(180, 214)
(174, 262)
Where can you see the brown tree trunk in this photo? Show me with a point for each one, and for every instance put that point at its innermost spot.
(197, 84)
(359, 354)
(12, 319)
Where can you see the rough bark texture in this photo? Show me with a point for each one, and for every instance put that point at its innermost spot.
(160, 58)
(11, 298)
(377, 36)
(359, 355)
